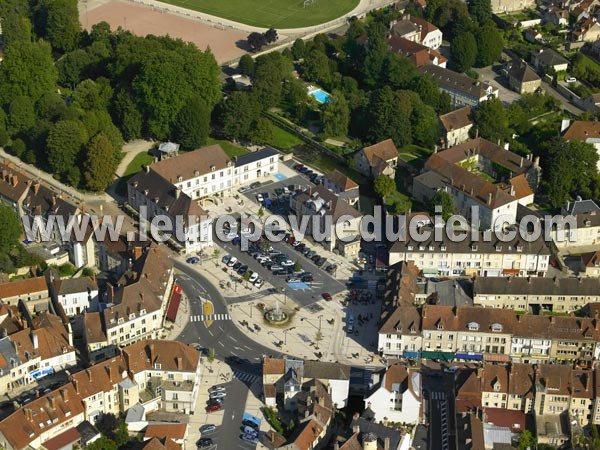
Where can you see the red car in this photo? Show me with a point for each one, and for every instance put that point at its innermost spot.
(213, 408)
(327, 296)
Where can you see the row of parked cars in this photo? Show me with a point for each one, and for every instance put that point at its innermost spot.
(310, 174)
(242, 269)
(217, 395)
(310, 254)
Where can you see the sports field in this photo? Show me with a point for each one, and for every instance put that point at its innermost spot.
(272, 13)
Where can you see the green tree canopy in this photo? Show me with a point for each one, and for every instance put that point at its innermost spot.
(480, 10)
(90, 94)
(239, 113)
(399, 71)
(445, 200)
(100, 164)
(15, 27)
(127, 115)
(463, 51)
(336, 115)
(492, 120)
(376, 54)
(58, 22)
(64, 144)
(316, 67)
(262, 133)
(192, 124)
(71, 67)
(384, 186)
(490, 44)
(10, 228)
(270, 71)
(51, 106)
(21, 115)
(246, 65)
(298, 49)
(28, 70)
(389, 117)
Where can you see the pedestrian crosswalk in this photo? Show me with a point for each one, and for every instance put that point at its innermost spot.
(213, 317)
(245, 377)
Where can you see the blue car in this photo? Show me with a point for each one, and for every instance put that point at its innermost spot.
(193, 260)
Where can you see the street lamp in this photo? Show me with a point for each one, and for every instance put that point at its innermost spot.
(284, 295)
(251, 308)
(320, 317)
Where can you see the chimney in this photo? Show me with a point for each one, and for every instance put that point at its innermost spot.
(76, 385)
(53, 199)
(521, 162)
(336, 445)
(52, 402)
(15, 180)
(536, 162)
(89, 374)
(34, 340)
(356, 428)
(64, 393)
(109, 372)
(152, 354)
(29, 414)
(147, 169)
(36, 187)
(489, 199)
(177, 192)
(179, 361)
(386, 443)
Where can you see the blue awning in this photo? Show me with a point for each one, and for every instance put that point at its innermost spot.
(411, 354)
(470, 356)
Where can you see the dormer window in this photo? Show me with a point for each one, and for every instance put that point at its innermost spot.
(131, 316)
(142, 312)
(180, 178)
(421, 247)
(473, 326)
(431, 248)
(120, 321)
(410, 247)
(439, 326)
(498, 248)
(443, 247)
(157, 366)
(519, 248)
(197, 173)
(496, 327)
(474, 247)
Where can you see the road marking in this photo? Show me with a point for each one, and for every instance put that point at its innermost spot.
(209, 318)
(233, 339)
(245, 377)
(246, 347)
(210, 332)
(221, 344)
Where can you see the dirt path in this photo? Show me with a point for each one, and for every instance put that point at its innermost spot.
(131, 150)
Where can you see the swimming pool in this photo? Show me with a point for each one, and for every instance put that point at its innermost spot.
(320, 95)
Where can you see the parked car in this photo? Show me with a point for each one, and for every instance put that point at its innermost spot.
(252, 439)
(242, 270)
(331, 268)
(306, 277)
(571, 80)
(218, 395)
(298, 167)
(255, 185)
(276, 267)
(286, 190)
(247, 429)
(232, 261)
(216, 389)
(237, 266)
(213, 408)
(259, 283)
(319, 262)
(326, 296)
(259, 198)
(315, 258)
(208, 428)
(226, 259)
(193, 260)
(300, 247)
(249, 423)
(204, 443)
(287, 263)
(244, 189)
(293, 280)
(253, 277)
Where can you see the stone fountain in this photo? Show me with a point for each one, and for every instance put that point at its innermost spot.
(276, 316)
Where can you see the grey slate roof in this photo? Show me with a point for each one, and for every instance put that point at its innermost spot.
(536, 286)
(381, 431)
(255, 156)
(75, 285)
(454, 81)
(326, 370)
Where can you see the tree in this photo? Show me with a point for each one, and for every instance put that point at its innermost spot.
(445, 200)
(10, 228)
(18, 147)
(90, 94)
(192, 124)
(210, 357)
(28, 70)
(336, 115)
(315, 67)
(239, 113)
(15, 27)
(384, 186)
(399, 71)
(256, 41)
(270, 72)
(246, 65)
(3, 135)
(107, 423)
(271, 35)
(463, 51)
(103, 443)
(424, 122)
(480, 10)
(492, 121)
(490, 44)
(262, 132)
(71, 67)
(376, 54)
(388, 116)
(127, 116)
(527, 441)
(298, 49)
(121, 434)
(21, 115)
(51, 106)
(64, 143)
(100, 164)
(297, 265)
(58, 22)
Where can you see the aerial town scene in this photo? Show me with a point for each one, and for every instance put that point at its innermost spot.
(299, 224)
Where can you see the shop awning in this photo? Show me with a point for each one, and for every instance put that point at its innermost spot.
(174, 303)
(411, 354)
(511, 272)
(469, 356)
(496, 358)
(444, 356)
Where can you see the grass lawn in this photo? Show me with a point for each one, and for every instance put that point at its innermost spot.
(272, 13)
(141, 159)
(414, 155)
(229, 147)
(284, 140)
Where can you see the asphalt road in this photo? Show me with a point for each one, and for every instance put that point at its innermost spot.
(227, 340)
(440, 411)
